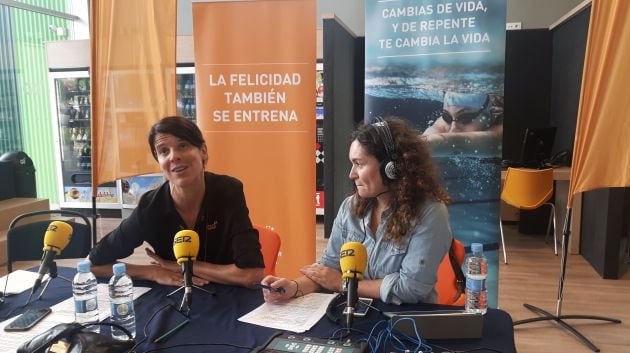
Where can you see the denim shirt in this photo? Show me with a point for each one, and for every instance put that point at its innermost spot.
(409, 270)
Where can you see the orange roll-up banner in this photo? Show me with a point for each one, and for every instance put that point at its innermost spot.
(133, 82)
(255, 73)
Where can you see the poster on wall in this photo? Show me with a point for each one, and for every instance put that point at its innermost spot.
(84, 194)
(133, 188)
(440, 65)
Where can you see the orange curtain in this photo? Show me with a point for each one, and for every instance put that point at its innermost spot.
(132, 81)
(601, 156)
(255, 70)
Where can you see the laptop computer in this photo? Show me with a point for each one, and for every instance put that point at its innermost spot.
(438, 324)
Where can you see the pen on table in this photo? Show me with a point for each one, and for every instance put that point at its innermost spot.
(277, 290)
(171, 331)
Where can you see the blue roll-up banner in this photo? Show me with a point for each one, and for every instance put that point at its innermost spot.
(440, 65)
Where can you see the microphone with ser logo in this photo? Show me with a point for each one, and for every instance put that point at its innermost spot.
(353, 261)
(186, 247)
(56, 238)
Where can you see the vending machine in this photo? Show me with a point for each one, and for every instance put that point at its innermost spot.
(70, 94)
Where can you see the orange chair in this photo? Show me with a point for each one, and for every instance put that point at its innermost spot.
(270, 246)
(450, 281)
(528, 189)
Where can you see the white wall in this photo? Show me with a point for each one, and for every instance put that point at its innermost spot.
(538, 13)
(349, 11)
(531, 13)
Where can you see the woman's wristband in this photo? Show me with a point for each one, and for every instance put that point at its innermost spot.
(298, 292)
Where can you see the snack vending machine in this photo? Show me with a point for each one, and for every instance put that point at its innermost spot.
(70, 92)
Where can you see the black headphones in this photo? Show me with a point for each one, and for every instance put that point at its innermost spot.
(389, 169)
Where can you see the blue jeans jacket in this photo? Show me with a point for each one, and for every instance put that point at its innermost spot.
(408, 270)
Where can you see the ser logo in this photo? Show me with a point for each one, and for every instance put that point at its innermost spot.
(52, 228)
(346, 252)
(182, 239)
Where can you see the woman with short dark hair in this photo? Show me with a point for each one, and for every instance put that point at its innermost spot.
(210, 204)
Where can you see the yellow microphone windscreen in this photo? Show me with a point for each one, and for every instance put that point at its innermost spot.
(186, 245)
(57, 236)
(353, 259)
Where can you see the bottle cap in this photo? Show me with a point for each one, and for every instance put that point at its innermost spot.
(476, 247)
(119, 269)
(83, 266)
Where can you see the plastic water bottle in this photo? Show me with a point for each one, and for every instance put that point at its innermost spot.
(476, 274)
(121, 302)
(84, 291)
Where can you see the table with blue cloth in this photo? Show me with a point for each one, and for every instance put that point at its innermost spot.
(214, 325)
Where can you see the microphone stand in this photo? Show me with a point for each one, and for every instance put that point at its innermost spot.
(351, 290)
(559, 318)
(351, 286)
(52, 274)
(371, 306)
(362, 303)
(185, 304)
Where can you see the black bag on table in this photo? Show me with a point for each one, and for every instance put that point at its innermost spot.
(78, 340)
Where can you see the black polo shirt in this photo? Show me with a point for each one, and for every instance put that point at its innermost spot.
(226, 234)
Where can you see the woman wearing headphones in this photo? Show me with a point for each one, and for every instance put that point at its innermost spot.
(398, 212)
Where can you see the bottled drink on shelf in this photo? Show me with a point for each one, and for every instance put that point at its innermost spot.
(82, 84)
(187, 108)
(180, 106)
(85, 161)
(121, 302)
(84, 291)
(476, 275)
(72, 113)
